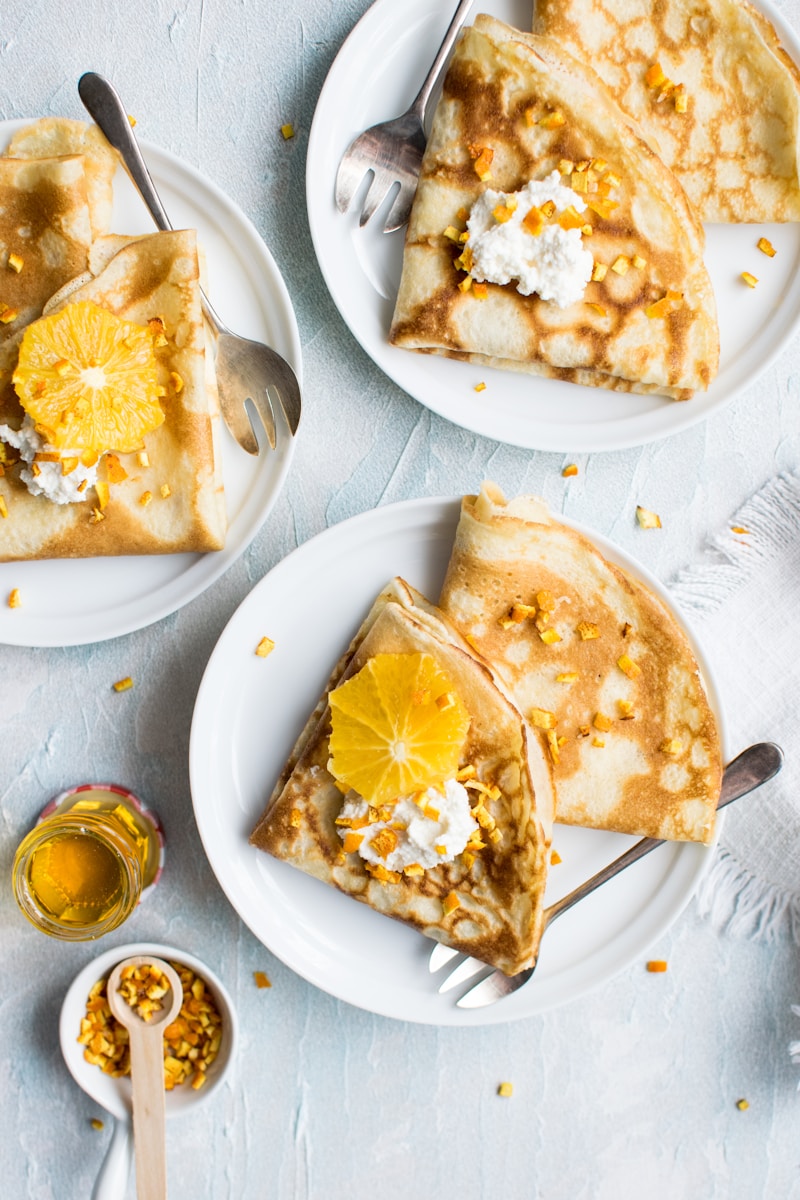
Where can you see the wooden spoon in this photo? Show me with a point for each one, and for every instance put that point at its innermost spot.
(147, 1073)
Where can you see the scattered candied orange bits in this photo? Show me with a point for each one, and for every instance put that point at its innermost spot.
(96, 1123)
(123, 685)
(261, 980)
(586, 631)
(766, 247)
(742, 1104)
(3, 507)
(739, 529)
(647, 519)
(505, 1089)
(15, 263)
(657, 966)
(570, 470)
(749, 279)
(555, 858)
(668, 303)
(481, 160)
(287, 131)
(14, 600)
(265, 647)
(628, 666)
(480, 387)
(143, 988)
(671, 746)
(450, 903)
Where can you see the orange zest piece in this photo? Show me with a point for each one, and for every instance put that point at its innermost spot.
(657, 966)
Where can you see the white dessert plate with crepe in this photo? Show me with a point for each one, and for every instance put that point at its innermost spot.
(69, 602)
(374, 77)
(248, 713)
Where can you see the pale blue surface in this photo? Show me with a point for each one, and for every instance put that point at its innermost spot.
(628, 1092)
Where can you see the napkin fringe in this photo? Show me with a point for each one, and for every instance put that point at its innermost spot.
(740, 904)
(771, 519)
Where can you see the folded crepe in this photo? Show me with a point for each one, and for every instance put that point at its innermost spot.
(153, 276)
(723, 111)
(499, 887)
(593, 659)
(649, 324)
(53, 137)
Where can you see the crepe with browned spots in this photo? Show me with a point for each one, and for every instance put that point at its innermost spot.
(649, 325)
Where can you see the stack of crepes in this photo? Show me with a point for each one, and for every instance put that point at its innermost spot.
(55, 210)
(655, 117)
(583, 697)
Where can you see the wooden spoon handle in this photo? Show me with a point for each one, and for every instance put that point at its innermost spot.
(147, 1077)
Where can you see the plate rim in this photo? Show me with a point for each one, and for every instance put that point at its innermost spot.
(434, 510)
(203, 569)
(562, 439)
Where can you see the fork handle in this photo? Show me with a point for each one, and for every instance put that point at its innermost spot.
(104, 105)
(424, 94)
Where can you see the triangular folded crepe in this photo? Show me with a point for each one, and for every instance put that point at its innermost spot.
(52, 137)
(726, 114)
(594, 659)
(498, 917)
(649, 325)
(148, 277)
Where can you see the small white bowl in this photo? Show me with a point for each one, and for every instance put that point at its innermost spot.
(115, 1094)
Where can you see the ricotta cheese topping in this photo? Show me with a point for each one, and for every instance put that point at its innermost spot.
(419, 839)
(51, 482)
(554, 264)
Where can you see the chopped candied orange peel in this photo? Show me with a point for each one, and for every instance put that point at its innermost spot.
(657, 966)
(587, 630)
(552, 120)
(14, 600)
(602, 722)
(766, 247)
(450, 903)
(570, 470)
(265, 647)
(15, 262)
(628, 666)
(123, 685)
(749, 279)
(261, 980)
(505, 1089)
(647, 519)
(668, 303)
(481, 160)
(3, 507)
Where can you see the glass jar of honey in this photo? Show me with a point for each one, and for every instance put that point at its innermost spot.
(84, 867)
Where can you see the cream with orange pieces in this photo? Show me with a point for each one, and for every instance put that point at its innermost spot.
(580, 244)
(417, 789)
(617, 699)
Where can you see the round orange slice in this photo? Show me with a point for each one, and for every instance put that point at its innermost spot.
(90, 379)
(398, 726)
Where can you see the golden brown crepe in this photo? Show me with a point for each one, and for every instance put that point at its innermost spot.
(152, 276)
(51, 137)
(507, 91)
(735, 148)
(499, 915)
(597, 658)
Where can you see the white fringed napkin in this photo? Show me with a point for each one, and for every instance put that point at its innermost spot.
(743, 599)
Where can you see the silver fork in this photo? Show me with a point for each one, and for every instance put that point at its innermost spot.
(392, 151)
(754, 766)
(247, 371)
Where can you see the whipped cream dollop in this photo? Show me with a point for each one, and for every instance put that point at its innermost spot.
(51, 482)
(419, 840)
(554, 264)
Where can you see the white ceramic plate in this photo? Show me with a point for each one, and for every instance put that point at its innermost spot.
(68, 603)
(375, 76)
(248, 713)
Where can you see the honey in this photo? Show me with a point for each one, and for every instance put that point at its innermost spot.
(82, 870)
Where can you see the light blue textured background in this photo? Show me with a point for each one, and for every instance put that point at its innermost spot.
(626, 1093)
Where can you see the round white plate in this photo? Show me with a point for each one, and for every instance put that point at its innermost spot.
(72, 602)
(249, 711)
(375, 77)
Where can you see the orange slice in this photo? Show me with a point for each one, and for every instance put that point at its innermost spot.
(398, 726)
(90, 378)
